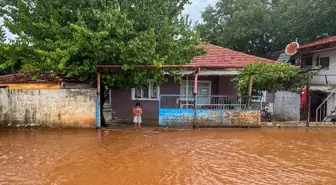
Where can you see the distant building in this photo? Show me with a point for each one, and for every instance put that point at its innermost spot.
(320, 54)
(48, 101)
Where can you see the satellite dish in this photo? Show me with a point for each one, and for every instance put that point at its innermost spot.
(291, 48)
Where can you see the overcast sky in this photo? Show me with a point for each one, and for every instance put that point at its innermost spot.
(194, 10)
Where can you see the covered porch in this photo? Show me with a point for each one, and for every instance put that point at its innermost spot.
(207, 84)
(214, 90)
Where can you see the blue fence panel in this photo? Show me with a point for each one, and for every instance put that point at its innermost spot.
(98, 112)
(171, 116)
(179, 110)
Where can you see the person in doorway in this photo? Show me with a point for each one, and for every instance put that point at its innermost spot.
(137, 112)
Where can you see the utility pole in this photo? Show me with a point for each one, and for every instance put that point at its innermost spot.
(195, 96)
(98, 102)
(251, 76)
(308, 98)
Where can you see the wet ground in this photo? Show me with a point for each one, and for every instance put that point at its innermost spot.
(206, 156)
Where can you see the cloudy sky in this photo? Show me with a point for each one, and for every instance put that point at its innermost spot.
(194, 10)
(197, 6)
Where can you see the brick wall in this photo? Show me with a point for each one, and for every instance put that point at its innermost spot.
(51, 108)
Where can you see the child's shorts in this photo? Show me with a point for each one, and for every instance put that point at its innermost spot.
(137, 119)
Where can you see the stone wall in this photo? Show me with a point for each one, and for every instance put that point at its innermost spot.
(50, 108)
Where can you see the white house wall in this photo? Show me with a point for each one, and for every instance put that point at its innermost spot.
(331, 73)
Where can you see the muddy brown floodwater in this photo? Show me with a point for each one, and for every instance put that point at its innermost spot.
(210, 156)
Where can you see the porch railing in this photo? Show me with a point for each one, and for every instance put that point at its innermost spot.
(212, 102)
(326, 109)
(209, 110)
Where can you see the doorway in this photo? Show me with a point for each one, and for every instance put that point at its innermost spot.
(317, 98)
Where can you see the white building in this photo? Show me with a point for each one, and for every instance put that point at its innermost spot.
(320, 56)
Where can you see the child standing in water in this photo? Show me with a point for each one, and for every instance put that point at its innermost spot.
(137, 112)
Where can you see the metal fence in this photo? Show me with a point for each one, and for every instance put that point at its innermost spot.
(325, 111)
(213, 109)
(212, 102)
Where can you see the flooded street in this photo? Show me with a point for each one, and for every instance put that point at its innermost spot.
(212, 156)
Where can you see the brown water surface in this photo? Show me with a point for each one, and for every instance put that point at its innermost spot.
(214, 156)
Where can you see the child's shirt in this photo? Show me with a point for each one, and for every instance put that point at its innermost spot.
(137, 111)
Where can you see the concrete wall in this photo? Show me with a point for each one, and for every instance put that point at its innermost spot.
(286, 106)
(51, 108)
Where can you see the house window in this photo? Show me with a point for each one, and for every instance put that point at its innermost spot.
(308, 60)
(187, 89)
(324, 62)
(151, 92)
(203, 92)
(203, 88)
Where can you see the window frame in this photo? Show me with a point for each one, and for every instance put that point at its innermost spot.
(320, 64)
(304, 60)
(199, 81)
(187, 99)
(149, 97)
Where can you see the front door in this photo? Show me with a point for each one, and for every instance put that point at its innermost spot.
(203, 91)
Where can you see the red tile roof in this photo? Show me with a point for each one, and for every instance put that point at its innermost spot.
(219, 57)
(327, 40)
(20, 78)
(216, 57)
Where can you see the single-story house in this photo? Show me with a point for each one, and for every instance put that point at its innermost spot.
(218, 68)
(48, 101)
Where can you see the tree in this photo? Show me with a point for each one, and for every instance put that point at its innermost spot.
(8, 54)
(271, 77)
(3, 49)
(2, 35)
(72, 37)
(261, 27)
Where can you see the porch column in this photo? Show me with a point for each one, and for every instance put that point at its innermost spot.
(249, 101)
(98, 86)
(187, 90)
(195, 96)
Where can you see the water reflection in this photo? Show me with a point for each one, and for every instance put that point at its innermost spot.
(214, 156)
